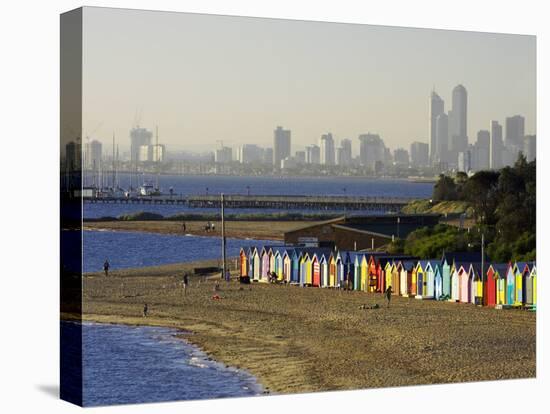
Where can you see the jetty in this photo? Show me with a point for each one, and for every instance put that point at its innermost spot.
(282, 202)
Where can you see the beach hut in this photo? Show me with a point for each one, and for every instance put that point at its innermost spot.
(531, 286)
(279, 264)
(373, 273)
(271, 253)
(315, 271)
(420, 279)
(403, 278)
(364, 273)
(510, 285)
(340, 272)
(287, 265)
(349, 269)
(521, 269)
(304, 259)
(490, 287)
(438, 281)
(429, 279)
(464, 276)
(243, 263)
(295, 267)
(265, 265)
(475, 284)
(357, 257)
(257, 264)
(407, 282)
(323, 264)
(388, 277)
(332, 282)
(446, 278)
(502, 271)
(395, 279)
(455, 283)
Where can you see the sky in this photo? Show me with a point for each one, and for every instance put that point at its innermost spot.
(205, 80)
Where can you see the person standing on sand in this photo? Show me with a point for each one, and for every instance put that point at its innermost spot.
(185, 284)
(184, 227)
(388, 294)
(106, 267)
(145, 309)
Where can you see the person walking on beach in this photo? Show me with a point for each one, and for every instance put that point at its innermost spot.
(106, 267)
(145, 309)
(183, 227)
(388, 294)
(185, 284)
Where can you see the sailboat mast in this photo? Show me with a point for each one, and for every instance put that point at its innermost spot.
(113, 173)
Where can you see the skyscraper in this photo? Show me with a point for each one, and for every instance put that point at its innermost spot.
(482, 157)
(401, 157)
(497, 146)
(513, 142)
(458, 121)
(345, 157)
(441, 139)
(327, 149)
(371, 150)
(437, 107)
(281, 145)
(420, 154)
(92, 155)
(515, 131)
(530, 147)
(313, 154)
(138, 137)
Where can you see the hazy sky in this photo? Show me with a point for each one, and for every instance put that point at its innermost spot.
(204, 78)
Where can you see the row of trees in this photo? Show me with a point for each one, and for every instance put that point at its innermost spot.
(504, 208)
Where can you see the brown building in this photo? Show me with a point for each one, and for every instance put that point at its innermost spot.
(360, 232)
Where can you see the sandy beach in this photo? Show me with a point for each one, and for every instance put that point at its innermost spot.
(310, 339)
(273, 230)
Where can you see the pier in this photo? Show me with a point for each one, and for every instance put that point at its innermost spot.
(300, 202)
(283, 202)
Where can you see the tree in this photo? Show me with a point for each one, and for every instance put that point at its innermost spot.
(444, 189)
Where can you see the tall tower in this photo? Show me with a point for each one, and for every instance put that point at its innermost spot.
(441, 138)
(327, 149)
(437, 107)
(458, 122)
(281, 145)
(497, 146)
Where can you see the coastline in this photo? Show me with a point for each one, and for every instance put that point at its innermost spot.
(309, 339)
(255, 230)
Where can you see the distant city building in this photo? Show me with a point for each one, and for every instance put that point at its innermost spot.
(530, 147)
(268, 156)
(497, 146)
(458, 122)
(441, 139)
(345, 153)
(464, 161)
(281, 145)
(313, 154)
(482, 156)
(327, 149)
(401, 157)
(515, 132)
(92, 155)
(420, 154)
(300, 157)
(371, 150)
(437, 107)
(250, 154)
(152, 153)
(138, 138)
(223, 155)
(339, 156)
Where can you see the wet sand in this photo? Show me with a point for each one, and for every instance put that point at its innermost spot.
(310, 339)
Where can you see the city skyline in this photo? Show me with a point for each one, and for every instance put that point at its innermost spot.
(340, 78)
